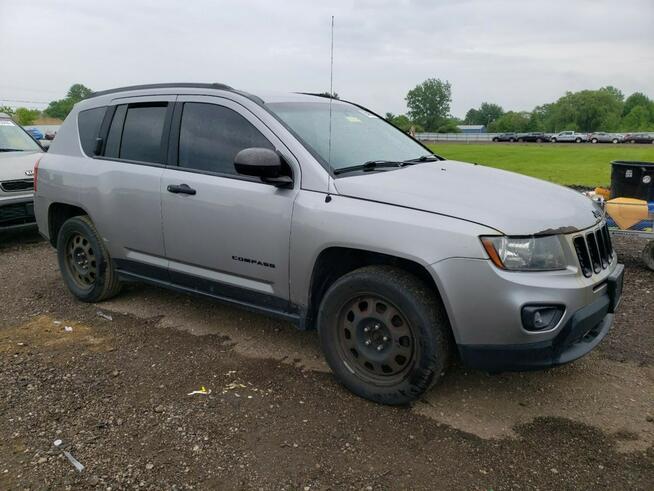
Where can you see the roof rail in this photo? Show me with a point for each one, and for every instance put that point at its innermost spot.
(163, 86)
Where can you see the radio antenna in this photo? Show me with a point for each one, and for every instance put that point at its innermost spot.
(331, 96)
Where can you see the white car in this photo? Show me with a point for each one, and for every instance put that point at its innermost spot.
(18, 154)
(569, 137)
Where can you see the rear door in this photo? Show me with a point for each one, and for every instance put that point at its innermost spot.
(127, 194)
(230, 238)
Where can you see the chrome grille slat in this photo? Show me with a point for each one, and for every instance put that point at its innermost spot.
(17, 185)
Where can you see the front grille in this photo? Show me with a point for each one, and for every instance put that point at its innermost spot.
(17, 185)
(16, 214)
(594, 251)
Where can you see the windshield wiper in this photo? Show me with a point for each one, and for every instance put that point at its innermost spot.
(11, 150)
(423, 158)
(368, 166)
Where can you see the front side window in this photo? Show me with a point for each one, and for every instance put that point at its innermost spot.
(14, 139)
(357, 136)
(211, 136)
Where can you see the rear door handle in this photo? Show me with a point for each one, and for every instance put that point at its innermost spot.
(181, 189)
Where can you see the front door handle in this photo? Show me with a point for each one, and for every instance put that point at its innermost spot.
(181, 189)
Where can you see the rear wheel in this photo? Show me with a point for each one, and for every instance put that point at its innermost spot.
(554, 140)
(615, 140)
(594, 140)
(84, 261)
(384, 334)
(648, 255)
(577, 140)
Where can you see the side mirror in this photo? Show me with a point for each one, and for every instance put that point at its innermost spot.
(263, 163)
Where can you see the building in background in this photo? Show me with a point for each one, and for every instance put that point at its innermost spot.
(472, 128)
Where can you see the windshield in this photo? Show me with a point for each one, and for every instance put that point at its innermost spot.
(14, 139)
(357, 135)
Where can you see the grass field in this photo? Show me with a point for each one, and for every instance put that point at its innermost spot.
(584, 165)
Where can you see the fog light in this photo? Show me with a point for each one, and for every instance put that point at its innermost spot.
(541, 317)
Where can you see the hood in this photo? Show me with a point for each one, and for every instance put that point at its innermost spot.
(511, 203)
(14, 164)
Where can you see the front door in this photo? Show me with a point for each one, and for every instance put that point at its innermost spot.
(225, 234)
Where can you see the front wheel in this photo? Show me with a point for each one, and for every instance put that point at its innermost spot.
(496, 139)
(553, 140)
(594, 140)
(384, 334)
(577, 140)
(84, 261)
(615, 140)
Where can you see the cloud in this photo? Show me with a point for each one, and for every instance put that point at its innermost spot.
(518, 54)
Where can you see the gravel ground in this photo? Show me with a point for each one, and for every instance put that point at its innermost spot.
(115, 392)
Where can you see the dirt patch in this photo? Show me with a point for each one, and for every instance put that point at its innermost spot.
(116, 392)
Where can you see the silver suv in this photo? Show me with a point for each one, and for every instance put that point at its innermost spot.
(569, 136)
(320, 212)
(18, 154)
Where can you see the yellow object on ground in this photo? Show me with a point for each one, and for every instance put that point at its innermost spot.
(603, 192)
(627, 212)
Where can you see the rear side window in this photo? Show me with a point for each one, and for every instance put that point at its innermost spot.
(211, 136)
(142, 132)
(88, 125)
(136, 132)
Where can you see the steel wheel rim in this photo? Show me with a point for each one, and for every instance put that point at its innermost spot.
(81, 261)
(375, 340)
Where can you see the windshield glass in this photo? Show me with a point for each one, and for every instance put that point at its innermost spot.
(357, 135)
(13, 138)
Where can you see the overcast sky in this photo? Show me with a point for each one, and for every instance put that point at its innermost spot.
(516, 53)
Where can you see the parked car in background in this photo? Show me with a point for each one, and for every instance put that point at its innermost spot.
(537, 137)
(18, 154)
(35, 133)
(604, 137)
(387, 249)
(569, 137)
(505, 137)
(638, 138)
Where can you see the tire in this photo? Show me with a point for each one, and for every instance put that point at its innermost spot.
(577, 140)
(632, 141)
(511, 140)
(496, 139)
(594, 140)
(385, 334)
(538, 140)
(554, 140)
(615, 140)
(648, 255)
(84, 261)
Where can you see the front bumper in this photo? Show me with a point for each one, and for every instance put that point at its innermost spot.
(17, 213)
(581, 334)
(484, 306)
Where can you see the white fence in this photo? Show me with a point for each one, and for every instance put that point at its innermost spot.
(456, 137)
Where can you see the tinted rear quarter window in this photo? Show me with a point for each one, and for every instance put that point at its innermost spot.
(212, 135)
(88, 125)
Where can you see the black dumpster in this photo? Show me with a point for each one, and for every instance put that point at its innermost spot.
(631, 179)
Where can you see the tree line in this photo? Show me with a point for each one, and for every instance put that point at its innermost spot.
(58, 109)
(604, 109)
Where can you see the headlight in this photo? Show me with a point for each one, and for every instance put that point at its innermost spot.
(525, 253)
